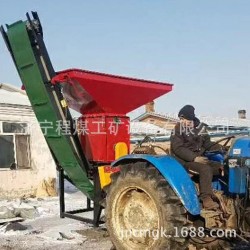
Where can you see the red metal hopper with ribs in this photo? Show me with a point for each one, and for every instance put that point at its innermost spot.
(104, 100)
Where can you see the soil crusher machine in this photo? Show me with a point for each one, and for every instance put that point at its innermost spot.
(103, 100)
(139, 191)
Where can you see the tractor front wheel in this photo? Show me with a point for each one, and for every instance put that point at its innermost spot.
(142, 210)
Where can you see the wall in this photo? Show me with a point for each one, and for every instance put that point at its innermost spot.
(16, 183)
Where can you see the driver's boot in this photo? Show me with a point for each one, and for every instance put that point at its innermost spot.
(209, 204)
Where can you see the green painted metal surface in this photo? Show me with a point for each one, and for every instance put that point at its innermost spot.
(47, 113)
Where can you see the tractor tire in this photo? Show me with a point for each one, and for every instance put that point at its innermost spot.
(139, 198)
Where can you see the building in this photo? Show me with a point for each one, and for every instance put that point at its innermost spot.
(217, 126)
(161, 120)
(25, 159)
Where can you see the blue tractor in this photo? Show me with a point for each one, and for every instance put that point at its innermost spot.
(152, 202)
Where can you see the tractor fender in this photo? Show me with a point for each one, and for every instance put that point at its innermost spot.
(175, 175)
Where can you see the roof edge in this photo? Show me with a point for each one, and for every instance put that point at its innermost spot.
(146, 114)
(11, 88)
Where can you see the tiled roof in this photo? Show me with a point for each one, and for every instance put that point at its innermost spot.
(157, 115)
(211, 121)
(144, 128)
(225, 122)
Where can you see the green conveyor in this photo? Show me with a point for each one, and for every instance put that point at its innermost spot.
(25, 42)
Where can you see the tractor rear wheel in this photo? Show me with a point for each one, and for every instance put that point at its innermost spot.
(142, 210)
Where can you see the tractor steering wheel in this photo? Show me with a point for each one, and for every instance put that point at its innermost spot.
(226, 139)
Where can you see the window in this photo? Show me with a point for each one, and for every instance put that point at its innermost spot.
(10, 127)
(7, 152)
(14, 146)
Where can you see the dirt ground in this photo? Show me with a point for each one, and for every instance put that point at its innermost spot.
(49, 231)
(42, 238)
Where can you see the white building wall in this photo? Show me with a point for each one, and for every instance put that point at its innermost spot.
(16, 183)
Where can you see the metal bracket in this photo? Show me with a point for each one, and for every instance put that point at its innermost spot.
(96, 208)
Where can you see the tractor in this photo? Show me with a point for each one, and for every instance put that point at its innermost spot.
(150, 200)
(154, 195)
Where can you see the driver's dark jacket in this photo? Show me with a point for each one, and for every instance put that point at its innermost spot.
(187, 144)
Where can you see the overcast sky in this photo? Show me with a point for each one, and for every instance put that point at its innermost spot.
(202, 47)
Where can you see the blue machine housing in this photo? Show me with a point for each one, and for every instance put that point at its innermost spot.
(238, 163)
(242, 143)
(175, 175)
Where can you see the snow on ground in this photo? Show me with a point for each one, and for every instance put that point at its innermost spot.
(48, 231)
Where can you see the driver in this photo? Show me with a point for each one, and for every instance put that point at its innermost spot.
(188, 143)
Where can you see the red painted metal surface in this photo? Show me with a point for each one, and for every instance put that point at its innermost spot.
(109, 169)
(100, 135)
(104, 101)
(91, 92)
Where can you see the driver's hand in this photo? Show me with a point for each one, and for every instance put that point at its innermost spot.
(201, 159)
